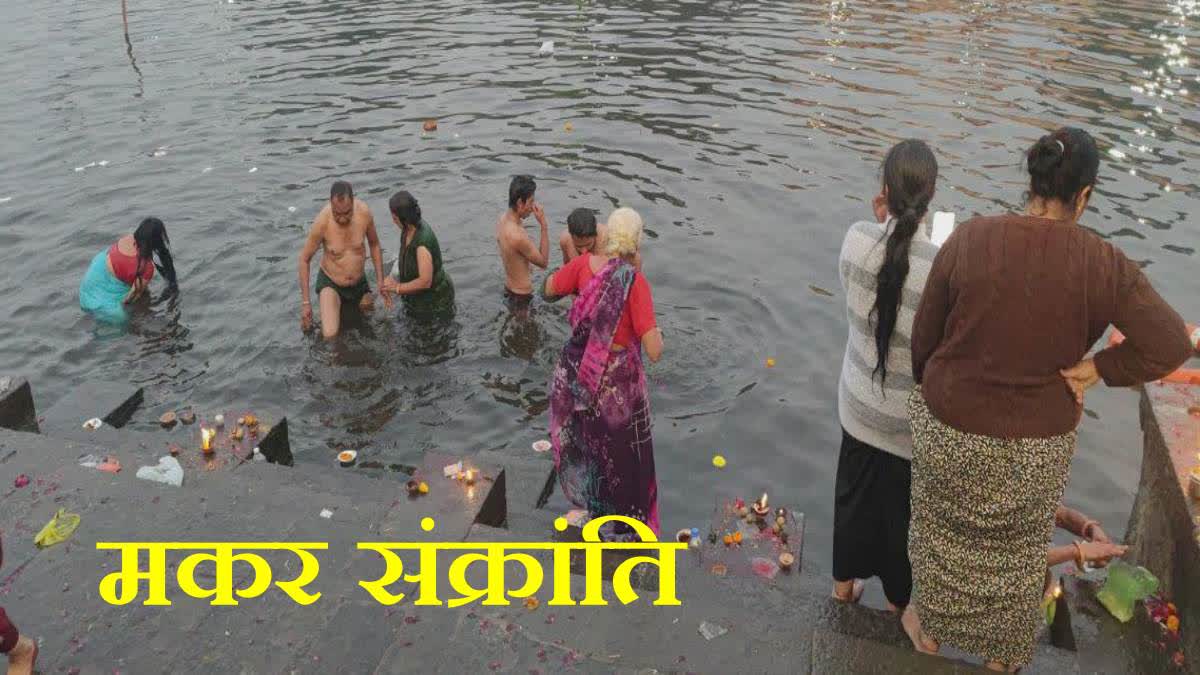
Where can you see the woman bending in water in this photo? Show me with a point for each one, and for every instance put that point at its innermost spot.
(599, 407)
(418, 276)
(121, 273)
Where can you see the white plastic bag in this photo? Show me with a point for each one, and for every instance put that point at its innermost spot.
(547, 48)
(167, 471)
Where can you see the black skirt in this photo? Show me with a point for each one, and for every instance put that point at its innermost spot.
(870, 518)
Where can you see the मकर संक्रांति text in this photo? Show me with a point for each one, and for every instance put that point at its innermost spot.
(125, 585)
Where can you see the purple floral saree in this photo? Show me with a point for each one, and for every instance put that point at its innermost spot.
(600, 413)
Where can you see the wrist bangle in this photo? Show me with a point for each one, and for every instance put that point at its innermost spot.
(1079, 559)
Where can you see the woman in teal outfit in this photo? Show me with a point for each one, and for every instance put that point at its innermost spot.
(418, 277)
(121, 273)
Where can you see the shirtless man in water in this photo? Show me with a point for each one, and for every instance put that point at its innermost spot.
(340, 229)
(517, 251)
(585, 235)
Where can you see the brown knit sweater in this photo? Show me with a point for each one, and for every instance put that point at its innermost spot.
(1010, 301)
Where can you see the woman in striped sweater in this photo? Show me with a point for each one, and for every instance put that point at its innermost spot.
(883, 267)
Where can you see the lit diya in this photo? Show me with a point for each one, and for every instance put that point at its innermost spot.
(683, 536)
(347, 457)
(206, 440)
(786, 560)
(761, 509)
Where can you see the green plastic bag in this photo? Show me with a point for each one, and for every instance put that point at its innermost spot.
(1125, 586)
(59, 529)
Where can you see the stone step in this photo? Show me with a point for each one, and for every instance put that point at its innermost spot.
(114, 403)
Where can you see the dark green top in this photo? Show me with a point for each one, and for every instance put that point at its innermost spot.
(440, 295)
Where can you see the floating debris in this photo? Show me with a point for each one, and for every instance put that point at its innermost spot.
(5, 200)
(206, 169)
(253, 169)
(712, 630)
(168, 419)
(347, 457)
(542, 446)
(21, 481)
(452, 470)
(219, 420)
(430, 125)
(160, 152)
(568, 127)
(547, 48)
(291, 209)
(770, 363)
(93, 424)
(532, 603)
(326, 514)
(187, 417)
(820, 291)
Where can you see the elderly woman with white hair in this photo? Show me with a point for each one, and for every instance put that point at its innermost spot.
(599, 407)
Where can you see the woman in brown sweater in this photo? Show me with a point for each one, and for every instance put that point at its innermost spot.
(1011, 308)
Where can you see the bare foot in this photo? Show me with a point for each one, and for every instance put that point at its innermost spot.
(912, 626)
(22, 657)
(848, 591)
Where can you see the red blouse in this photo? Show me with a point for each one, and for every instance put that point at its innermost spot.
(125, 266)
(637, 318)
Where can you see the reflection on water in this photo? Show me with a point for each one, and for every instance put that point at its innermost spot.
(747, 134)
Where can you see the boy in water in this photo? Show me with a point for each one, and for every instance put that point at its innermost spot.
(583, 235)
(517, 251)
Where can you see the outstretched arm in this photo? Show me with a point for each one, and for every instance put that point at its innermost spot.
(315, 236)
(375, 249)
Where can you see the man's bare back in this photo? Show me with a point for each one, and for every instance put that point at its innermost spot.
(517, 250)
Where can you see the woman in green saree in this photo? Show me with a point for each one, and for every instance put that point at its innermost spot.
(418, 277)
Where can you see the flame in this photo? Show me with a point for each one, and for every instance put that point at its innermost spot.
(206, 436)
(1057, 592)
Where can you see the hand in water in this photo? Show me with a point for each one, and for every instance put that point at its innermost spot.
(1081, 377)
(306, 318)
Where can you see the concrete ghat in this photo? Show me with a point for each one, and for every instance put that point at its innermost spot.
(789, 625)
(1162, 528)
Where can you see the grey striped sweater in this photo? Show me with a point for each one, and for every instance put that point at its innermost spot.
(872, 413)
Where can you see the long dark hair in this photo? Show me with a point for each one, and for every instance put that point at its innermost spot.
(151, 239)
(1062, 164)
(910, 175)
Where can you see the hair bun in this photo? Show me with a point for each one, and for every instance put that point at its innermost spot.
(1046, 155)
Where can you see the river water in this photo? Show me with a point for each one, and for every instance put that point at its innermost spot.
(748, 134)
